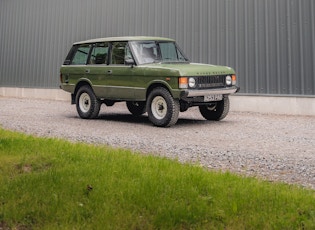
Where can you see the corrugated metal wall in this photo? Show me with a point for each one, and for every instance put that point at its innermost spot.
(270, 43)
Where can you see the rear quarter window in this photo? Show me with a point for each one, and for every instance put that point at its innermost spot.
(81, 55)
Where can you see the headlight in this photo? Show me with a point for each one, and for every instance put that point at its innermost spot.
(192, 82)
(228, 80)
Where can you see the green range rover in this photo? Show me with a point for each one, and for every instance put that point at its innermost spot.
(151, 74)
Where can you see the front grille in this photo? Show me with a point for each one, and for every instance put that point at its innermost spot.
(204, 82)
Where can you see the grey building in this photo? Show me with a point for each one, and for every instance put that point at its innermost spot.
(270, 43)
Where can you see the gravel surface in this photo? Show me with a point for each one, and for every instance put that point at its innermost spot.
(273, 147)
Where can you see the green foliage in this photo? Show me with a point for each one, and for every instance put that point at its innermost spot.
(54, 184)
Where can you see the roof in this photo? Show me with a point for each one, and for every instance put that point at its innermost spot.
(126, 38)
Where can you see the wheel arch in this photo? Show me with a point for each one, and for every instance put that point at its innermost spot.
(154, 85)
(77, 87)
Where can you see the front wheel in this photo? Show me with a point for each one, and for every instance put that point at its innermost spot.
(216, 111)
(136, 108)
(88, 106)
(162, 108)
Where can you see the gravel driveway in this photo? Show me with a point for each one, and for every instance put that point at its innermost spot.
(274, 147)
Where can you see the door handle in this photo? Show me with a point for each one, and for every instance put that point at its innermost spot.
(87, 71)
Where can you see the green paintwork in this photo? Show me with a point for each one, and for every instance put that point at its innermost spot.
(193, 69)
(123, 82)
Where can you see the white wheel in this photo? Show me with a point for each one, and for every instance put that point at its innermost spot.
(85, 102)
(88, 106)
(159, 107)
(163, 109)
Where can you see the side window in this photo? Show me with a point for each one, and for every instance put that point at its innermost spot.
(99, 54)
(70, 55)
(81, 55)
(120, 52)
(128, 55)
(168, 51)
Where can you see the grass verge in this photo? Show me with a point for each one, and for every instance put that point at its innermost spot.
(54, 184)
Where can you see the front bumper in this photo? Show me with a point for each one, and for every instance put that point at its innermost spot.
(203, 92)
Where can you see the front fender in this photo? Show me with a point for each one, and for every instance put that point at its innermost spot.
(168, 83)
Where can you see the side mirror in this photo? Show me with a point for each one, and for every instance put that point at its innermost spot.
(130, 61)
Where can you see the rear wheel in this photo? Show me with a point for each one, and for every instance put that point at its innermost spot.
(88, 106)
(217, 110)
(162, 108)
(136, 108)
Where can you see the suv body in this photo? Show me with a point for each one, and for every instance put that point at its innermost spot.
(151, 74)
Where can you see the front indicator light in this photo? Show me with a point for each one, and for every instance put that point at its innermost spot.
(233, 79)
(183, 82)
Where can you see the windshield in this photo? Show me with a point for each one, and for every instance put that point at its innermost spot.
(152, 51)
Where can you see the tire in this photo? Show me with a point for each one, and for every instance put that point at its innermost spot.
(88, 106)
(162, 108)
(216, 111)
(136, 108)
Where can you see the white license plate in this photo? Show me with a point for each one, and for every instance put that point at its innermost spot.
(214, 97)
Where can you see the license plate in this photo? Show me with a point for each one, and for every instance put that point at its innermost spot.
(214, 97)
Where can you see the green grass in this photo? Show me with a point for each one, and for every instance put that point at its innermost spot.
(54, 184)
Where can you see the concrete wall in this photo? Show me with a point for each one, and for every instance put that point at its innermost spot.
(274, 104)
(242, 103)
